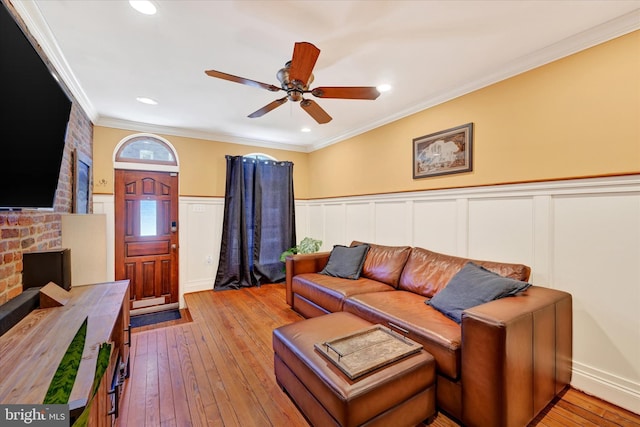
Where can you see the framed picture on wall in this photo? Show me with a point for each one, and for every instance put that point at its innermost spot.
(81, 182)
(445, 152)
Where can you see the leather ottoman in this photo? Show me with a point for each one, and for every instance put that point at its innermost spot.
(399, 394)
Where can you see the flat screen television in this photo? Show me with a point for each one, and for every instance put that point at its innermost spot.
(34, 118)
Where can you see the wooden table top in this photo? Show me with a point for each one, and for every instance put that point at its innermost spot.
(31, 351)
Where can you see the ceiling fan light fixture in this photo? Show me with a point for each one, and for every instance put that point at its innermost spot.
(383, 88)
(283, 76)
(144, 6)
(295, 95)
(285, 82)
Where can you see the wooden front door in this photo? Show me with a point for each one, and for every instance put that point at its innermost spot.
(146, 237)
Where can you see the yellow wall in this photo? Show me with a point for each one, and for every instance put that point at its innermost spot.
(202, 163)
(576, 117)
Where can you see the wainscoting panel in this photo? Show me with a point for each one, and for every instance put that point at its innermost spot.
(316, 225)
(200, 238)
(359, 222)
(392, 225)
(334, 214)
(104, 204)
(596, 257)
(501, 229)
(581, 236)
(435, 225)
(302, 216)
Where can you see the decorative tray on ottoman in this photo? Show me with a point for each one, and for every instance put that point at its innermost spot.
(366, 350)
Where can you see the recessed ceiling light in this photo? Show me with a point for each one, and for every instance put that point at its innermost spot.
(384, 88)
(143, 6)
(305, 130)
(148, 101)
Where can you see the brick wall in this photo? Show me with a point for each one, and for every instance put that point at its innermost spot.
(31, 231)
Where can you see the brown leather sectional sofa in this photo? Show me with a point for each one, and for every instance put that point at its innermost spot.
(500, 366)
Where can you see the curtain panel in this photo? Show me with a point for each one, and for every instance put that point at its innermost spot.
(258, 224)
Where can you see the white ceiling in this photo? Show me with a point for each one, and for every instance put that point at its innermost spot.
(429, 51)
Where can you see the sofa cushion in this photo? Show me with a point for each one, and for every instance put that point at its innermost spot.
(438, 334)
(471, 286)
(330, 292)
(427, 272)
(384, 263)
(346, 262)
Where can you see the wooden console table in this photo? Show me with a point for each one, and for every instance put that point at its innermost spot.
(31, 351)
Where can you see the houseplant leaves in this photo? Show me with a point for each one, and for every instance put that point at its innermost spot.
(306, 246)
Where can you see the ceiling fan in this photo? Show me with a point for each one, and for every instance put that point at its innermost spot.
(295, 79)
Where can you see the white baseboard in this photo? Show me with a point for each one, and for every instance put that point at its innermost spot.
(623, 392)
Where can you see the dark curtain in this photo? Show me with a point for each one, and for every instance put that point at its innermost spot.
(259, 222)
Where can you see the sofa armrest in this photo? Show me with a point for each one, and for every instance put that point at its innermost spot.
(303, 263)
(516, 356)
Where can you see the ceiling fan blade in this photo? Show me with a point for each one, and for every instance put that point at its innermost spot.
(270, 106)
(304, 59)
(346, 92)
(315, 111)
(241, 80)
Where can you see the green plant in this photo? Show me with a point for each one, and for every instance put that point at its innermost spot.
(306, 246)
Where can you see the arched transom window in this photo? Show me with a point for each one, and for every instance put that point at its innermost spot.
(146, 149)
(260, 156)
(143, 151)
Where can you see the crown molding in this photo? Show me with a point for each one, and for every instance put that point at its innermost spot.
(190, 133)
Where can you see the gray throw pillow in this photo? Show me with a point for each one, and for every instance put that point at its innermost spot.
(473, 285)
(346, 262)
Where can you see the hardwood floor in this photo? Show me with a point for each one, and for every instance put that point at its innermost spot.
(217, 370)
